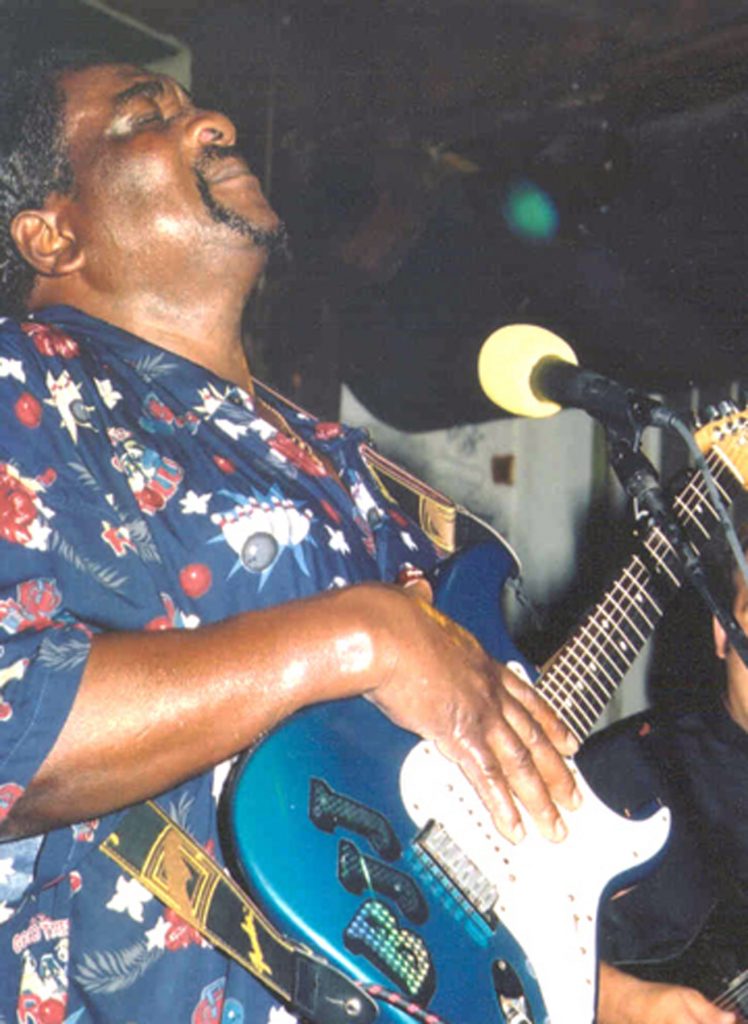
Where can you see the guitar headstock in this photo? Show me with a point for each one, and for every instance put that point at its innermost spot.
(728, 437)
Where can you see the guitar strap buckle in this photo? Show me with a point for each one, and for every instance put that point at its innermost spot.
(150, 846)
(323, 993)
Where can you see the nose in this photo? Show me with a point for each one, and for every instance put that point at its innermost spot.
(211, 128)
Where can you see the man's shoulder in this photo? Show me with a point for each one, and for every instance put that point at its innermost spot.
(631, 760)
(10, 327)
(16, 353)
(623, 763)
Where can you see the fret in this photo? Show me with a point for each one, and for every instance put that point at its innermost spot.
(579, 680)
(663, 556)
(569, 712)
(697, 494)
(694, 516)
(597, 653)
(728, 464)
(577, 657)
(597, 649)
(577, 689)
(626, 619)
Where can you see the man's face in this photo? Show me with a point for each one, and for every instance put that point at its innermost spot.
(155, 177)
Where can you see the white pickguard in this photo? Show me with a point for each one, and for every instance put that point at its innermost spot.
(548, 892)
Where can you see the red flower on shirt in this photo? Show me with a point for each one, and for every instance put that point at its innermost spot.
(17, 508)
(51, 341)
(289, 449)
(180, 934)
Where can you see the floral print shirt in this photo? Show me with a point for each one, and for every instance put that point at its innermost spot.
(138, 491)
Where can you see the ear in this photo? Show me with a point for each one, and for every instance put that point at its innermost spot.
(46, 241)
(721, 642)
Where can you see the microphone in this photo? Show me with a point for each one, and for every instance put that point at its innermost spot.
(529, 371)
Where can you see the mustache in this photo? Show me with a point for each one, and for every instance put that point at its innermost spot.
(211, 153)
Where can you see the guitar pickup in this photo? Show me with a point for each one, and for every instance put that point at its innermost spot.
(330, 810)
(467, 879)
(359, 873)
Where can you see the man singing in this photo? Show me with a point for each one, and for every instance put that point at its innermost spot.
(185, 559)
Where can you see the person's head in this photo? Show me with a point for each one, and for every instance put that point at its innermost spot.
(110, 176)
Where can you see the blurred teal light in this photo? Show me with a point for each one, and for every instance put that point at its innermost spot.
(530, 212)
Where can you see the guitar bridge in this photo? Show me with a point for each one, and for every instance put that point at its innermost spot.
(459, 869)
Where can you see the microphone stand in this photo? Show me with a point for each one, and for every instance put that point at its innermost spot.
(641, 483)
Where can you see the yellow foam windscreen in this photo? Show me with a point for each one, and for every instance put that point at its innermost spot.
(506, 361)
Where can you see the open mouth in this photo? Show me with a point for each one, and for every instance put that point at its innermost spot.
(227, 170)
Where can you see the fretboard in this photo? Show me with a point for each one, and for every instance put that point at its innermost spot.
(580, 679)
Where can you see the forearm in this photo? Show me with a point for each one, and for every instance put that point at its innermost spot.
(155, 708)
(624, 999)
(617, 997)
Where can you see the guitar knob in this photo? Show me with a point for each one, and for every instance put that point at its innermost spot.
(711, 412)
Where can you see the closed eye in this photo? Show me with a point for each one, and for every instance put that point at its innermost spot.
(154, 117)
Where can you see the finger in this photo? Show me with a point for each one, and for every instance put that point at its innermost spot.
(550, 765)
(515, 756)
(557, 731)
(485, 775)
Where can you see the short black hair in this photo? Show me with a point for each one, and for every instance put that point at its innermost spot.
(33, 156)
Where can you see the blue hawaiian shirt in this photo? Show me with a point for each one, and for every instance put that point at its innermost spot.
(139, 491)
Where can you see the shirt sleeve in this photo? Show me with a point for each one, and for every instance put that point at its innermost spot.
(655, 917)
(43, 649)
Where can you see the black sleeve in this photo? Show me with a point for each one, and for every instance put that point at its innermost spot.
(657, 918)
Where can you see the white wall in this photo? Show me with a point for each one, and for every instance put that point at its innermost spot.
(178, 64)
(558, 468)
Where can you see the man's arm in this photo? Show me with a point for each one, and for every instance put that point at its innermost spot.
(156, 708)
(624, 999)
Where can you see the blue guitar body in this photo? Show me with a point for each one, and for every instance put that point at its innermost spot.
(361, 841)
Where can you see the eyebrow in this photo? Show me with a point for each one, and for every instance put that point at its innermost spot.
(151, 88)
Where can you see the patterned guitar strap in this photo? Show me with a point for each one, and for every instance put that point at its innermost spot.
(150, 846)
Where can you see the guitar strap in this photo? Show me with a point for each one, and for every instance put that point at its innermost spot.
(448, 526)
(151, 847)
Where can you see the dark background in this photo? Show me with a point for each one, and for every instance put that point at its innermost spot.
(403, 140)
(393, 134)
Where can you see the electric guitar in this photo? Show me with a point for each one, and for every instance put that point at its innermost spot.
(363, 842)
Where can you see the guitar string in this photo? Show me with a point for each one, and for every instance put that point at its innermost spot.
(690, 501)
(597, 645)
(691, 495)
(598, 636)
(732, 997)
(596, 641)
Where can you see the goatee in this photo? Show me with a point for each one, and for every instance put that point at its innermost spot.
(274, 241)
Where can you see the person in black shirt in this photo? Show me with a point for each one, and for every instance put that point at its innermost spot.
(673, 944)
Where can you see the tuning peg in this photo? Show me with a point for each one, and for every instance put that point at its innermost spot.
(727, 408)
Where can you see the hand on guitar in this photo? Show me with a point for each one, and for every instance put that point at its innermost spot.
(441, 684)
(624, 999)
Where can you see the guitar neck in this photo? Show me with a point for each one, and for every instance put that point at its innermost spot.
(580, 679)
(735, 997)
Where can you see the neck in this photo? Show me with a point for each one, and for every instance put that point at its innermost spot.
(201, 323)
